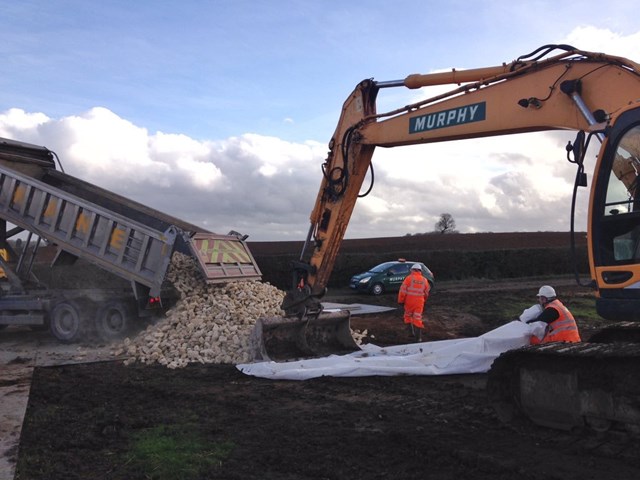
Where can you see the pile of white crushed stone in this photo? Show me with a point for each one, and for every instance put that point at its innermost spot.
(209, 324)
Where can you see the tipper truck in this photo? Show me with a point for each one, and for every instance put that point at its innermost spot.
(40, 204)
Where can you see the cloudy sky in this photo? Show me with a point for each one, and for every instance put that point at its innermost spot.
(219, 111)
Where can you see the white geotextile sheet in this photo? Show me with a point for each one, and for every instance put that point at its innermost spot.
(466, 355)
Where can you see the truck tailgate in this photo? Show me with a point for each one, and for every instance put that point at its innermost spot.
(223, 258)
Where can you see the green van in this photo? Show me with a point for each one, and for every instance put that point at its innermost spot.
(387, 277)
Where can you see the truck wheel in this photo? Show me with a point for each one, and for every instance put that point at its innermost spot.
(113, 321)
(377, 289)
(65, 322)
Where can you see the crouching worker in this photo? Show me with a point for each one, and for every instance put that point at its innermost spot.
(561, 326)
(413, 293)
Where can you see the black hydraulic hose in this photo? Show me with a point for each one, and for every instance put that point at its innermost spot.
(370, 184)
(545, 49)
(58, 159)
(338, 177)
(346, 144)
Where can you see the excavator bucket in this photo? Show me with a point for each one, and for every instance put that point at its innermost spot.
(290, 338)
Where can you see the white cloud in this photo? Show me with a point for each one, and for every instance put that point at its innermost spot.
(265, 186)
(16, 121)
(183, 157)
(259, 185)
(595, 39)
(100, 144)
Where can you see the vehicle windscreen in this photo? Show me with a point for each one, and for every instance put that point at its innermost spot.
(381, 268)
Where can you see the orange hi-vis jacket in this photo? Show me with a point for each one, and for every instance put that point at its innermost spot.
(564, 329)
(414, 292)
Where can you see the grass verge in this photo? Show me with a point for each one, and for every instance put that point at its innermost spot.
(176, 453)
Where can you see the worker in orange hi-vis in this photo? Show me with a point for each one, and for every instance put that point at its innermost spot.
(413, 293)
(561, 326)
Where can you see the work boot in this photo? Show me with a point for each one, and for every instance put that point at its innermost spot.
(412, 332)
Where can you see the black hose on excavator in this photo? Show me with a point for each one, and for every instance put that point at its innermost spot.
(338, 177)
(545, 49)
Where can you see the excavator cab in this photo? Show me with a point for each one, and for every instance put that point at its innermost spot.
(615, 221)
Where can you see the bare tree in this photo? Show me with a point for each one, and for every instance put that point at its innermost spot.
(446, 224)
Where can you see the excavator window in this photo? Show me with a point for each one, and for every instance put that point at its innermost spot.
(622, 202)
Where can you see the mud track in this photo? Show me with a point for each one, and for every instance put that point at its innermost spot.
(82, 419)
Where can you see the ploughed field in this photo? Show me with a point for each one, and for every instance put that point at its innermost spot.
(111, 421)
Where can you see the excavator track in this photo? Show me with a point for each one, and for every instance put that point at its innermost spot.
(570, 386)
(617, 332)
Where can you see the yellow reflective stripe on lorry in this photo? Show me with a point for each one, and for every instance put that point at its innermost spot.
(222, 251)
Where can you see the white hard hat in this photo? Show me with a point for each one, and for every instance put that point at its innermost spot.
(546, 291)
(416, 266)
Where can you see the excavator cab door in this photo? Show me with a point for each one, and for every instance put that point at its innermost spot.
(614, 236)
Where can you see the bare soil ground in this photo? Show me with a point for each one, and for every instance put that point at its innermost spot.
(83, 421)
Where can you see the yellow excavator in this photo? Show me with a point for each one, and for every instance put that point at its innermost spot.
(555, 87)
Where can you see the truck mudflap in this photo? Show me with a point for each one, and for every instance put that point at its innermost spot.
(290, 338)
(569, 386)
(223, 258)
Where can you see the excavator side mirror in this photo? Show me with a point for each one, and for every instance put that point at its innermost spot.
(582, 179)
(577, 148)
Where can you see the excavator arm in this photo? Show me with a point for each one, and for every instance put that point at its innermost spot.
(571, 90)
